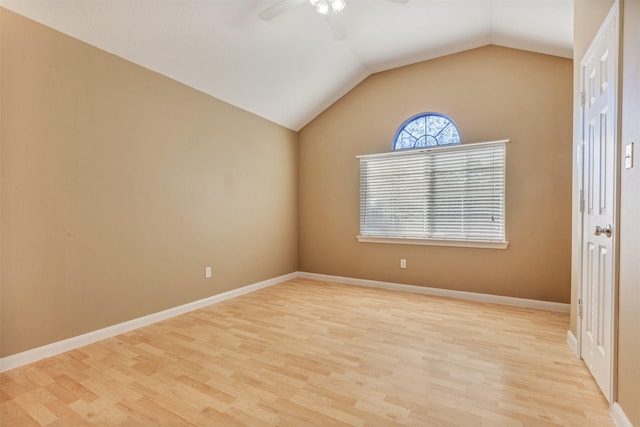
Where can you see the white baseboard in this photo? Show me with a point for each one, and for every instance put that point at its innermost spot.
(619, 417)
(573, 343)
(39, 353)
(33, 355)
(472, 296)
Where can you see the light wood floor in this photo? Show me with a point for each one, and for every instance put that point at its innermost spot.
(313, 353)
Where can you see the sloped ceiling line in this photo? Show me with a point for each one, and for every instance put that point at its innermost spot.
(291, 68)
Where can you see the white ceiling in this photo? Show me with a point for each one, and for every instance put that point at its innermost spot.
(289, 69)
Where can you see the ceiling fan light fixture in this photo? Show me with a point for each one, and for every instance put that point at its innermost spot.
(338, 5)
(323, 7)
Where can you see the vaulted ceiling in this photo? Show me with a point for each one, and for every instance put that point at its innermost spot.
(288, 69)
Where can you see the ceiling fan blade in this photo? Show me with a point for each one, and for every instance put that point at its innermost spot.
(277, 9)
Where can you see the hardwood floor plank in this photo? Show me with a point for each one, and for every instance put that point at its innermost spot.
(13, 414)
(310, 353)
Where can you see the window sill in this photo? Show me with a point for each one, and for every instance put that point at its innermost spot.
(485, 244)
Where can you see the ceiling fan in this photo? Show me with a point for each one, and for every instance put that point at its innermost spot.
(323, 7)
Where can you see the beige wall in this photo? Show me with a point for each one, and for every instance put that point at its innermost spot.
(119, 186)
(588, 16)
(492, 93)
(629, 290)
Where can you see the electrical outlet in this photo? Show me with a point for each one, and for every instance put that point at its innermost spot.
(403, 263)
(207, 272)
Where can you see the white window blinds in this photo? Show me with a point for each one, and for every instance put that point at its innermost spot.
(445, 193)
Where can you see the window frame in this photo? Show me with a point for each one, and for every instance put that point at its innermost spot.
(456, 242)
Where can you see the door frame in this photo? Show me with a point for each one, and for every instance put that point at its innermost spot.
(613, 17)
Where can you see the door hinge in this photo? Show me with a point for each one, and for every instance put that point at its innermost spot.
(582, 98)
(580, 307)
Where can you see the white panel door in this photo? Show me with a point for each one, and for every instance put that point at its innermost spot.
(599, 78)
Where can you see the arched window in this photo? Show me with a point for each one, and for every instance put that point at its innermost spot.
(450, 196)
(426, 130)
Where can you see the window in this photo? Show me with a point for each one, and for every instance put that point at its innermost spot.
(446, 195)
(426, 130)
